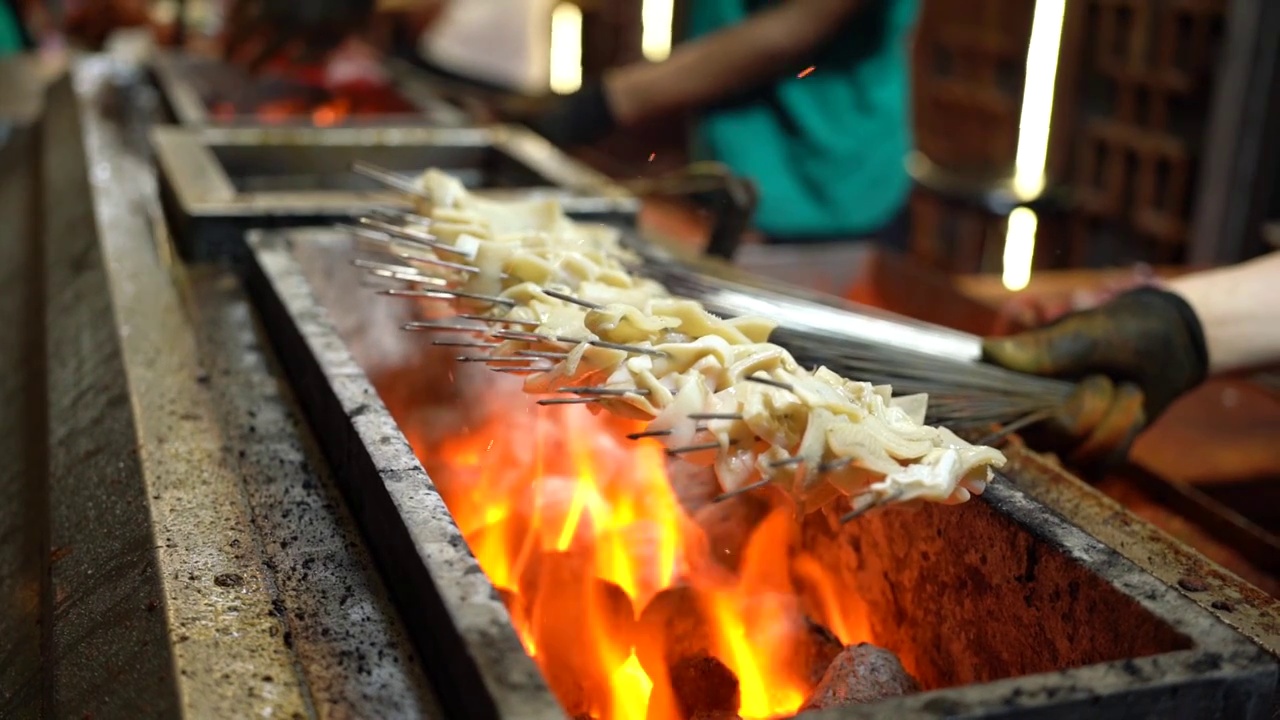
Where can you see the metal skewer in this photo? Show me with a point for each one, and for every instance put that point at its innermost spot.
(446, 294)
(868, 501)
(770, 382)
(786, 462)
(442, 327)
(696, 448)
(388, 178)
(571, 299)
(466, 344)
(649, 434)
(618, 392)
(758, 485)
(501, 321)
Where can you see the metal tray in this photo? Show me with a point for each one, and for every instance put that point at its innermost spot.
(216, 183)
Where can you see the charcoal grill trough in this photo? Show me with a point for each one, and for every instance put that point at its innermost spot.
(1000, 607)
(217, 183)
(194, 87)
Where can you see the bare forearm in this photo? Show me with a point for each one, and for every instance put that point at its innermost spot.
(727, 62)
(1239, 307)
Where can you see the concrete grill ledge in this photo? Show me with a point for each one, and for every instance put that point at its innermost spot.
(1003, 608)
(461, 626)
(197, 560)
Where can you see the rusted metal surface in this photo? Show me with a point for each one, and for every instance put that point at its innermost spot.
(1237, 603)
(203, 560)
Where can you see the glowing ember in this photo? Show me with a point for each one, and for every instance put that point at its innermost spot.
(581, 529)
(324, 107)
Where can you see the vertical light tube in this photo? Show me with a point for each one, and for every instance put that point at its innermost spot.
(657, 20)
(566, 48)
(1019, 246)
(1033, 137)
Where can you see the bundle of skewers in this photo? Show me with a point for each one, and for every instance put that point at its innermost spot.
(563, 304)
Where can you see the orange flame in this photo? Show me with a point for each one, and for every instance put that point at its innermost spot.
(581, 529)
(331, 113)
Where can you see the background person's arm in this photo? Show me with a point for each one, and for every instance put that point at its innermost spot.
(1239, 308)
(726, 62)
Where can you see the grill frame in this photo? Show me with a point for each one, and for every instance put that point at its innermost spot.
(210, 212)
(175, 74)
(1223, 674)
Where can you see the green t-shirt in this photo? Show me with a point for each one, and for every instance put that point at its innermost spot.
(827, 150)
(10, 31)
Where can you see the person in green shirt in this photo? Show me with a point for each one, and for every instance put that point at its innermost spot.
(13, 39)
(807, 98)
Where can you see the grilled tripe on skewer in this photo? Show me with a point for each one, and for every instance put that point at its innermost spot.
(558, 299)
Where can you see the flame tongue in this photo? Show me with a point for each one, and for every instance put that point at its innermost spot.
(609, 582)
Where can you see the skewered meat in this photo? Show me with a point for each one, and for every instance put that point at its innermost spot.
(561, 295)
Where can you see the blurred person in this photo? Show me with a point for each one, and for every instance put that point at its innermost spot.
(258, 31)
(809, 99)
(13, 35)
(89, 23)
(502, 44)
(1142, 349)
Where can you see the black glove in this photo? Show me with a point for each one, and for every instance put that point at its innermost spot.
(308, 28)
(582, 118)
(1149, 341)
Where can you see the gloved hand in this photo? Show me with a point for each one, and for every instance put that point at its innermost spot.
(261, 29)
(1136, 355)
(581, 118)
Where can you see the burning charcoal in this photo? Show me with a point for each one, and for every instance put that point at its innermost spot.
(819, 648)
(716, 715)
(541, 568)
(645, 541)
(619, 614)
(861, 673)
(702, 684)
(729, 525)
(673, 626)
(583, 627)
(566, 578)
